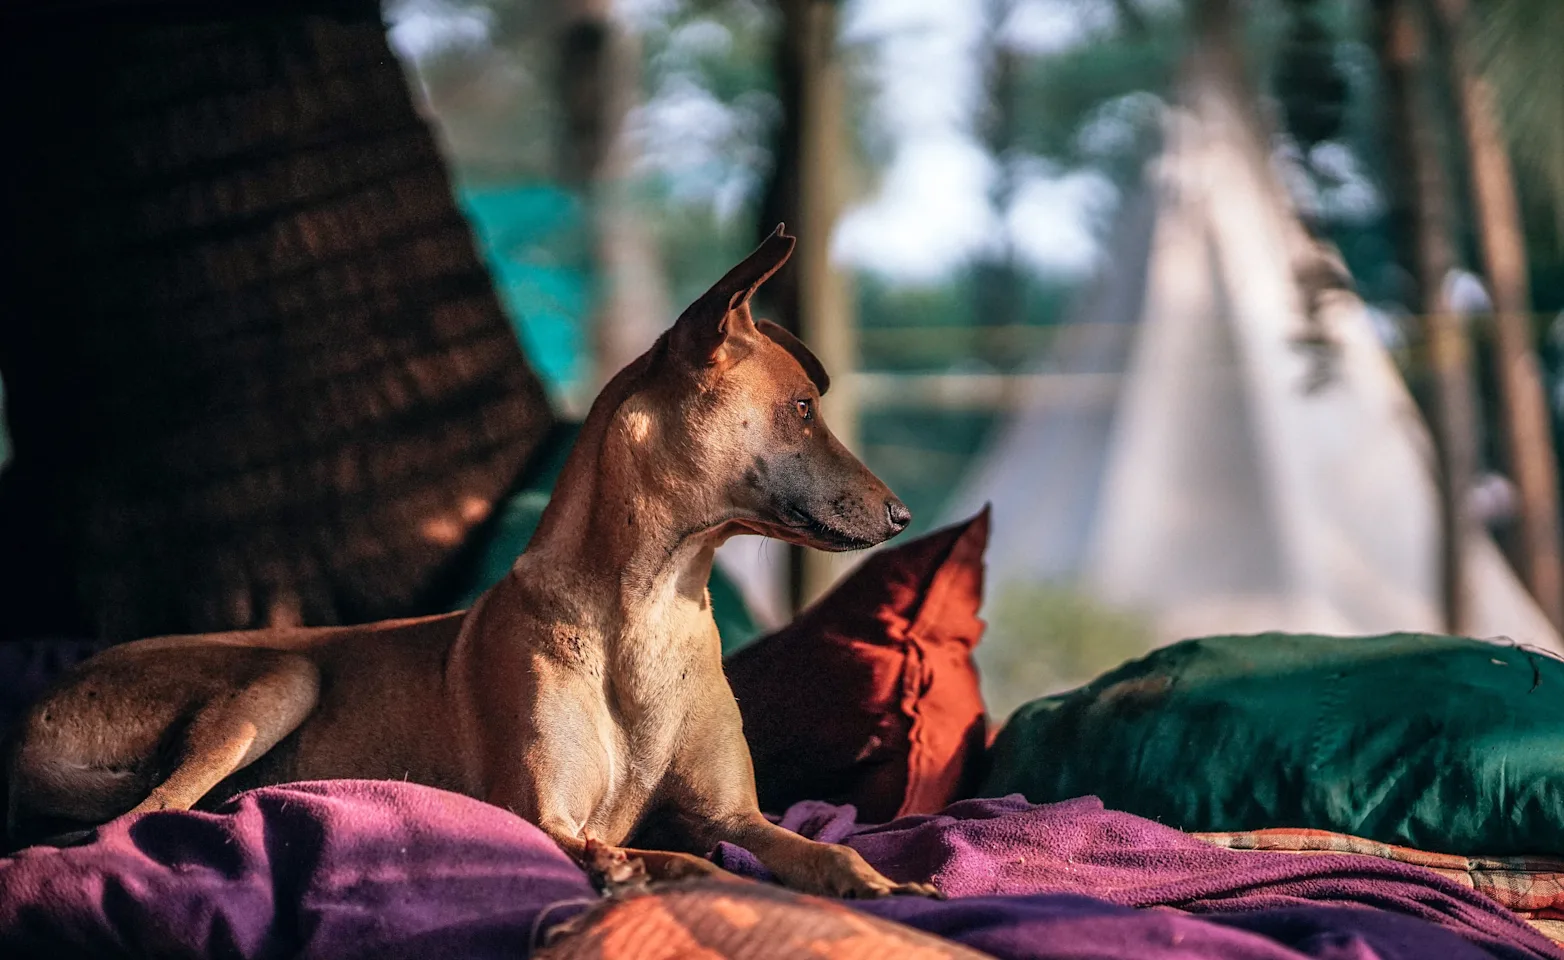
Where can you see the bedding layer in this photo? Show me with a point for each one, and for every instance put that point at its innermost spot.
(374, 869)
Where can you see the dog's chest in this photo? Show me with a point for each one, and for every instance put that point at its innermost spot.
(641, 730)
(636, 754)
(646, 716)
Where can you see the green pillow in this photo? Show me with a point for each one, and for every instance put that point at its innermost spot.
(1439, 743)
(519, 516)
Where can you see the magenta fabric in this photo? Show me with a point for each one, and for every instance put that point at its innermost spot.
(1067, 927)
(351, 869)
(984, 848)
(339, 869)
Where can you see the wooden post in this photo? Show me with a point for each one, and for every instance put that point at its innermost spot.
(808, 196)
(997, 297)
(597, 70)
(1526, 423)
(1421, 194)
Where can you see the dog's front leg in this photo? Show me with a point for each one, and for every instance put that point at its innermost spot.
(711, 793)
(810, 866)
(564, 798)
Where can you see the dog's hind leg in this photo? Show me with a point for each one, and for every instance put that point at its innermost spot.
(232, 730)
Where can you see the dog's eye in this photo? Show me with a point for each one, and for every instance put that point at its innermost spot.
(806, 408)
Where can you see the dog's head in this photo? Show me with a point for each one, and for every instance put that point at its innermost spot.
(735, 406)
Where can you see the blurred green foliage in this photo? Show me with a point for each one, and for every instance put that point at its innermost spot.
(1094, 106)
(1064, 98)
(1046, 638)
(923, 455)
(1519, 42)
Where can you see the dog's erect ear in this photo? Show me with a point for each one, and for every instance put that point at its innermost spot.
(704, 326)
(738, 285)
(801, 353)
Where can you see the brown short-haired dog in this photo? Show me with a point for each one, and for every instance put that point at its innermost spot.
(584, 692)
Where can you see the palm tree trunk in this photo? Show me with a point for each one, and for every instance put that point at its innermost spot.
(256, 371)
(1527, 427)
(1421, 216)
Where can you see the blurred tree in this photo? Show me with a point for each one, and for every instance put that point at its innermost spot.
(1131, 19)
(1419, 210)
(1526, 424)
(710, 65)
(484, 78)
(997, 283)
(807, 193)
(1309, 81)
(597, 74)
(1066, 99)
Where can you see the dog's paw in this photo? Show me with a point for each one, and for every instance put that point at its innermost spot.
(667, 865)
(616, 870)
(917, 890)
(840, 872)
(881, 886)
(613, 870)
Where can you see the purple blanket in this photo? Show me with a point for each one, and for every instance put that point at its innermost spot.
(360, 869)
(996, 850)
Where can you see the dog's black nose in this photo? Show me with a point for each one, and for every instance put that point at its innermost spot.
(898, 514)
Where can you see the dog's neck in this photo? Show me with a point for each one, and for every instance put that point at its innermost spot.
(614, 549)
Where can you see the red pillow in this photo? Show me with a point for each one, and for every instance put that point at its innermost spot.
(870, 696)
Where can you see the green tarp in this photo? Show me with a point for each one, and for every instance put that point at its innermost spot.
(530, 237)
(1440, 743)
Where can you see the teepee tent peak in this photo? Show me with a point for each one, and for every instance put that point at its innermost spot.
(1221, 487)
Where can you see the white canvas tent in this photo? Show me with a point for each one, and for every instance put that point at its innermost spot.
(1189, 475)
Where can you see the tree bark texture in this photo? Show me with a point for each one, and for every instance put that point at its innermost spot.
(256, 372)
